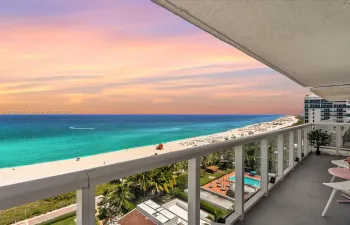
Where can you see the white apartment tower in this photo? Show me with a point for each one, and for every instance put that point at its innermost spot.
(317, 109)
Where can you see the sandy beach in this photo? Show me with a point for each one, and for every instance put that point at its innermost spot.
(36, 171)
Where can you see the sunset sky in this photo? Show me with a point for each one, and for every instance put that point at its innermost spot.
(118, 56)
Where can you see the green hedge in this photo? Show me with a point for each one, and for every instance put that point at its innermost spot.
(182, 181)
(204, 205)
(182, 196)
(131, 207)
(58, 219)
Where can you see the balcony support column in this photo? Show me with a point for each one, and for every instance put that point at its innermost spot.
(280, 154)
(291, 149)
(239, 181)
(299, 144)
(86, 206)
(264, 166)
(338, 138)
(194, 191)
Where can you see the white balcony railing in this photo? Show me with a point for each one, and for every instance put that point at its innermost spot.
(340, 136)
(84, 182)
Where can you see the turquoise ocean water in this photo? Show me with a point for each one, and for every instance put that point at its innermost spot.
(29, 139)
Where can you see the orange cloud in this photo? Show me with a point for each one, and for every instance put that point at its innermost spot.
(162, 100)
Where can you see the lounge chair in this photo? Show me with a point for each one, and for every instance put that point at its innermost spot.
(337, 186)
(247, 169)
(253, 173)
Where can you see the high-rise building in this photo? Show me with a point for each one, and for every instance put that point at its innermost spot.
(317, 109)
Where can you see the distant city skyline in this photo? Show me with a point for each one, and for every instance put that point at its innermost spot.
(121, 57)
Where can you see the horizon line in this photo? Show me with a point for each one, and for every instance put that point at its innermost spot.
(136, 114)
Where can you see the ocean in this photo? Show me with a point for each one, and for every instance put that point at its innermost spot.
(29, 139)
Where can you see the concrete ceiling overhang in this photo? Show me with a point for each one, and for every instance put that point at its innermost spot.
(333, 93)
(306, 40)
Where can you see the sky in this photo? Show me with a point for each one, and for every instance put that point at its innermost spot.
(121, 57)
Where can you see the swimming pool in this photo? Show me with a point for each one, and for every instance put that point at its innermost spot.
(249, 181)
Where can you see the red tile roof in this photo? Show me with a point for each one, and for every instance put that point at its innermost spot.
(135, 217)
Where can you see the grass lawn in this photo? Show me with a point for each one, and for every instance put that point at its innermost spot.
(32, 209)
(205, 176)
(68, 221)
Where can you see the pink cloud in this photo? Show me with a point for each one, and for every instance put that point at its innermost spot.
(118, 53)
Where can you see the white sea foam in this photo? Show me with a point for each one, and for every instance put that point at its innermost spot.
(81, 128)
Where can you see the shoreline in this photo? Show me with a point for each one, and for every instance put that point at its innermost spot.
(36, 171)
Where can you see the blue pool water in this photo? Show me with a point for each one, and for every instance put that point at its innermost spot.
(29, 139)
(249, 181)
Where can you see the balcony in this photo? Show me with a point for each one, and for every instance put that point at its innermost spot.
(300, 198)
(288, 200)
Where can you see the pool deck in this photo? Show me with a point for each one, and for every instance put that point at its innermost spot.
(224, 182)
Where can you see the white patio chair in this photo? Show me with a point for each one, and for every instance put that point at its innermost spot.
(337, 186)
(339, 163)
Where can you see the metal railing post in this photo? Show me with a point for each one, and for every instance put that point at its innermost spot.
(239, 181)
(264, 166)
(338, 138)
(291, 149)
(310, 149)
(194, 191)
(299, 144)
(86, 206)
(306, 142)
(280, 155)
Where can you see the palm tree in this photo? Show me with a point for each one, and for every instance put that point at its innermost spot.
(215, 158)
(228, 156)
(116, 202)
(106, 216)
(163, 179)
(180, 166)
(272, 166)
(143, 181)
(211, 159)
(251, 155)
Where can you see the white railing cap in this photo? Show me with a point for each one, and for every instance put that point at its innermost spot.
(29, 191)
